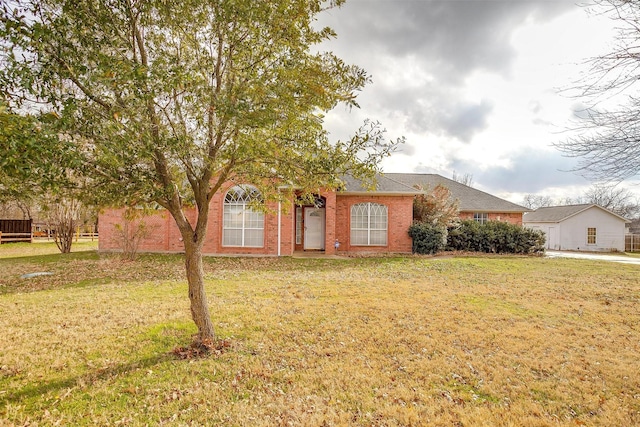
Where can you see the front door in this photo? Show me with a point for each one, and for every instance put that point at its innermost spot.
(314, 228)
(552, 239)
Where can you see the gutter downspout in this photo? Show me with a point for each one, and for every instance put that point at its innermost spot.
(279, 225)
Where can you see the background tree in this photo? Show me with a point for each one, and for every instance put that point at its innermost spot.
(32, 158)
(33, 168)
(17, 208)
(608, 139)
(166, 101)
(435, 207)
(535, 201)
(433, 212)
(617, 199)
(34, 173)
(466, 179)
(63, 215)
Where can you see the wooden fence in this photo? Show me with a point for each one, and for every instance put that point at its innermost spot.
(632, 243)
(18, 230)
(15, 230)
(40, 236)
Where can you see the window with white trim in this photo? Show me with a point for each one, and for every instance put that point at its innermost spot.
(481, 217)
(241, 225)
(368, 224)
(591, 236)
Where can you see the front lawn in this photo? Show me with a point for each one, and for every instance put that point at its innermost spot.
(43, 247)
(367, 342)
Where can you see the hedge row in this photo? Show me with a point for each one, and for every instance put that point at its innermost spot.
(469, 235)
(427, 238)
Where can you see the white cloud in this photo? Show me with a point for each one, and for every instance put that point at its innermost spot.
(474, 86)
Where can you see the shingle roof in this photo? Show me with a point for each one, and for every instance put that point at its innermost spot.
(469, 199)
(560, 213)
(384, 184)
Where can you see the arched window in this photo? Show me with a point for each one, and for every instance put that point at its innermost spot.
(368, 224)
(241, 225)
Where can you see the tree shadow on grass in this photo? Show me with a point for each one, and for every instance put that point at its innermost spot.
(34, 391)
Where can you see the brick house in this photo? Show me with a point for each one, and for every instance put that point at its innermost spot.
(351, 220)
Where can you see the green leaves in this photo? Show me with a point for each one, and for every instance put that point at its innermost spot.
(160, 98)
(495, 237)
(158, 102)
(33, 158)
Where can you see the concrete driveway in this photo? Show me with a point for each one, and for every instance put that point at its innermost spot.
(593, 256)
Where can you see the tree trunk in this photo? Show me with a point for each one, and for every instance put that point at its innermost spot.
(64, 235)
(197, 296)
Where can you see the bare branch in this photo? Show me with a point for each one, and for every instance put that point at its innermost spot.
(606, 140)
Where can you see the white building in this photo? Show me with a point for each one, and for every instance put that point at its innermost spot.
(579, 227)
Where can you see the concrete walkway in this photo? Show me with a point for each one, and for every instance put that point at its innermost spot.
(593, 256)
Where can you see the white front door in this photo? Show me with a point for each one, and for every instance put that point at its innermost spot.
(314, 228)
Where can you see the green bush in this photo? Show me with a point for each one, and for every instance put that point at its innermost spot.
(464, 236)
(494, 237)
(427, 238)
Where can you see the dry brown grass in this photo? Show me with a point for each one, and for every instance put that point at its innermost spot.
(370, 342)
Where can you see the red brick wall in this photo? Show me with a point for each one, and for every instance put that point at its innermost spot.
(164, 235)
(287, 228)
(510, 217)
(330, 222)
(213, 244)
(400, 217)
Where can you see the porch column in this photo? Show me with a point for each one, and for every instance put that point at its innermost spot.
(330, 222)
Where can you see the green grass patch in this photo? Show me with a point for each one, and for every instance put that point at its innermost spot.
(42, 247)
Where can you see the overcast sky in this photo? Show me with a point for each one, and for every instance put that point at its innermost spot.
(473, 85)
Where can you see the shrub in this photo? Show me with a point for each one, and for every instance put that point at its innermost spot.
(427, 238)
(464, 236)
(435, 207)
(495, 237)
(130, 234)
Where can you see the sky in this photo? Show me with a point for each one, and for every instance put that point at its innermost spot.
(477, 87)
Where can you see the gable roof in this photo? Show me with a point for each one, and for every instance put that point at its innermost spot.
(469, 199)
(561, 213)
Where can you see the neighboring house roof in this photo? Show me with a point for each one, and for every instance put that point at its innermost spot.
(469, 199)
(561, 213)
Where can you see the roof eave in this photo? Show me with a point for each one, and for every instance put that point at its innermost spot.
(463, 209)
(377, 193)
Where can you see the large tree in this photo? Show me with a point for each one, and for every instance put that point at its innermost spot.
(34, 172)
(167, 100)
(615, 198)
(33, 157)
(607, 138)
